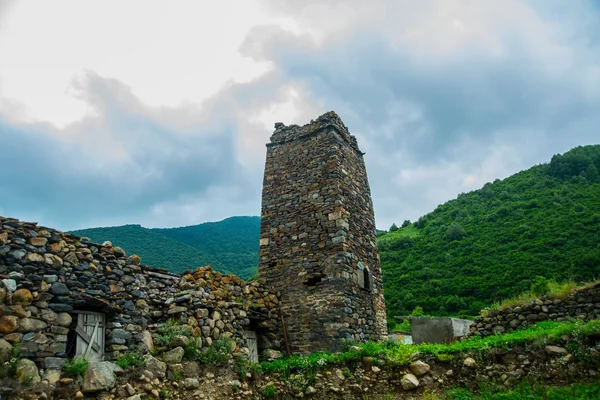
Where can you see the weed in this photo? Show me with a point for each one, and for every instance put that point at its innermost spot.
(130, 360)
(77, 367)
(164, 393)
(269, 392)
(169, 331)
(9, 369)
(346, 372)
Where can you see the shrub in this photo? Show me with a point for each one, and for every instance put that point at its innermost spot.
(9, 369)
(77, 367)
(540, 286)
(169, 331)
(130, 360)
(269, 392)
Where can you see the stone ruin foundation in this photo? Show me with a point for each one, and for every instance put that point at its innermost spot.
(318, 245)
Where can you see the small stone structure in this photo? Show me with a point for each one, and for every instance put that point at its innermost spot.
(318, 245)
(438, 330)
(58, 290)
(583, 304)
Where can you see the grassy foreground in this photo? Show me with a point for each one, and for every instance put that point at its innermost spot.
(394, 354)
(533, 392)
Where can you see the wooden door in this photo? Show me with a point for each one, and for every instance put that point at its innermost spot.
(252, 345)
(90, 328)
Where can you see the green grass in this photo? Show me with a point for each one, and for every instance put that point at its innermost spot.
(410, 231)
(556, 290)
(532, 392)
(400, 354)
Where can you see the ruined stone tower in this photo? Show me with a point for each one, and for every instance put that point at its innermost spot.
(318, 245)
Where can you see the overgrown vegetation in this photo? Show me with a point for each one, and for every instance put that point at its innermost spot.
(529, 391)
(219, 353)
(9, 368)
(540, 287)
(169, 331)
(493, 243)
(77, 367)
(269, 392)
(130, 360)
(394, 354)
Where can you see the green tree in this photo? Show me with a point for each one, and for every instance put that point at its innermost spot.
(455, 232)
(406, 223)
(393, 228)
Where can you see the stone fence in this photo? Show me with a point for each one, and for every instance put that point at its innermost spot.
(49, 279)
(582, 304)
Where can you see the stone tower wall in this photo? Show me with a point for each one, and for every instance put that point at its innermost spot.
(318, 246)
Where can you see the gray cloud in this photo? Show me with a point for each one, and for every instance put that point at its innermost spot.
(435, 117)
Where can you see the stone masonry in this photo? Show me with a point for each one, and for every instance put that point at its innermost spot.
(47, 276)
(582, 304)
(318, 246)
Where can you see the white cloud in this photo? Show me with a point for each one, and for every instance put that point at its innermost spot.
(158, 113)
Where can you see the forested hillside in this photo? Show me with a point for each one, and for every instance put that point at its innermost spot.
(229, 246)
(482, 247)
(491, 243)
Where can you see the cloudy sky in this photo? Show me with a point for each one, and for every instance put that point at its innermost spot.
(157, 113)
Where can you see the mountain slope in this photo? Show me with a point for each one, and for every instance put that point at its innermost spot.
(229, 246)
(491, 243)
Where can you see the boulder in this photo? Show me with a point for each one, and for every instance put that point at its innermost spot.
(409, 382)
(22, 297)
(419, 368)
(52, 376)
(155, 366)
(8, 323)
(38, 241)
(34, 258)
(191, 383)
(6, 351)
(53, 259)
(146, 342)
(31, 325)
(100, 375)
(174, 356)
(60, 289)
(556, 350)
(469, 362)
(27, 372)
(64, 319)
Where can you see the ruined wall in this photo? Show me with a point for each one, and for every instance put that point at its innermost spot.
(582, 304)
(318, 243)
(47, 276)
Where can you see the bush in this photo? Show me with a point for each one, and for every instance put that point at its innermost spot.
(540, 286)
(169, 331)
(269, 392)
(76, 367)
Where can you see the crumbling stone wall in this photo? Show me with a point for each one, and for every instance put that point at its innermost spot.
(318, 244)
(583, 304)
(46, 276)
